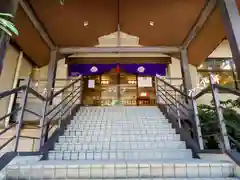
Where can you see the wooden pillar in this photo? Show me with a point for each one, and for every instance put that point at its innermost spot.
(231, 19)
(185, 71)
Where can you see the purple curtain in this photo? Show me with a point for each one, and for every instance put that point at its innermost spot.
(141, 69)
(145, 69)
(89, 69)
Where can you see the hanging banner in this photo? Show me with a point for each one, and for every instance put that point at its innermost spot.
(140, 69)
(144, 81)
(91, 83)
(145, 69)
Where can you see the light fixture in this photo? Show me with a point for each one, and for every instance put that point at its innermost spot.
(104, 82)
(85, 24)
(151, 23)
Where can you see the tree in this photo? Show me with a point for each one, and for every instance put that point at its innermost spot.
(210, 125)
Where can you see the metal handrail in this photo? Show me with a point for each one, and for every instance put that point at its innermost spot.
(174, 88)
(26, 90)
(13, 91)
(46, 121)
(225, 138)
(178, 112)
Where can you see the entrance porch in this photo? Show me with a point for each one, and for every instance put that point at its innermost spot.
(125, 84)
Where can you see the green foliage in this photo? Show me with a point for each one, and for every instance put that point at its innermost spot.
(6, 25)
(210, 127)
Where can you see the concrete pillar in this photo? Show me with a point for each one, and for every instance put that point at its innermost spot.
(231, 19)
(9, 6)
(185, 71)
(52, 69)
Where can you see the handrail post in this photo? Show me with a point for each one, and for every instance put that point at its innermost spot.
(61, 111)
(156, 89)
(21, 116)
(72, 91)
(46, 108)
(81, 89)
(223, 130)
(43, 124)
(178, 115)
(197, 123)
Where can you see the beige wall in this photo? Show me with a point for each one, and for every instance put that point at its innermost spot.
(25, 68)
(7, 76)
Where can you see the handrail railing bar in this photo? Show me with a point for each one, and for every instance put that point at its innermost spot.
(45, 136)
(176, 89)
(36, 94)
(183, 105)
(70, 107)
(49, 120)
(9, 114)
(207, 135)
(223, 131)
(49, 112)
(29, 137)
(204, 91)
(234, 140)
(50, 128)
(21, 115)
(9, 127)
(235, 129)
(174, 110)
(235, 92)
(173, 78)
(13, 91)
(32, 112)
(7, 142)
(56, 79)
(208, 123)
(174, 104)
(60, 91)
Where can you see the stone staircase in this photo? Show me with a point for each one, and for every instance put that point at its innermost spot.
(120, 143)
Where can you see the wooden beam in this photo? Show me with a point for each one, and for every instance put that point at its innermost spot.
(200, 22)
(30, 13)
(160, 49)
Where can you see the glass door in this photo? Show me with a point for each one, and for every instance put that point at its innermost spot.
(128, 89)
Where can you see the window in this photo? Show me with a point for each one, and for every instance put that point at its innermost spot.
(222, 69)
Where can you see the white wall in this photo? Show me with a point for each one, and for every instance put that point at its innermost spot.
(175, 72)
(25, 68)
(40, 75)
(222, 51)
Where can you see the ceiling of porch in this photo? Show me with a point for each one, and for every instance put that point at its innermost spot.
(154, 22)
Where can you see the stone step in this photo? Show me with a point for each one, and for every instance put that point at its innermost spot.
(173, 169)
(118, 121)
(112, 138)
(132, 126)
(120, 155)
(81, 126)
(120, 145)
(120, 132)
(134, 116)
(143, 122)
(107, 133)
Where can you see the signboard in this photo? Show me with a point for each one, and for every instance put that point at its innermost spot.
(144, 81)
(91, 83)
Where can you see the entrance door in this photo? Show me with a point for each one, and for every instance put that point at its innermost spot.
(128, 89)
(113, 88)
